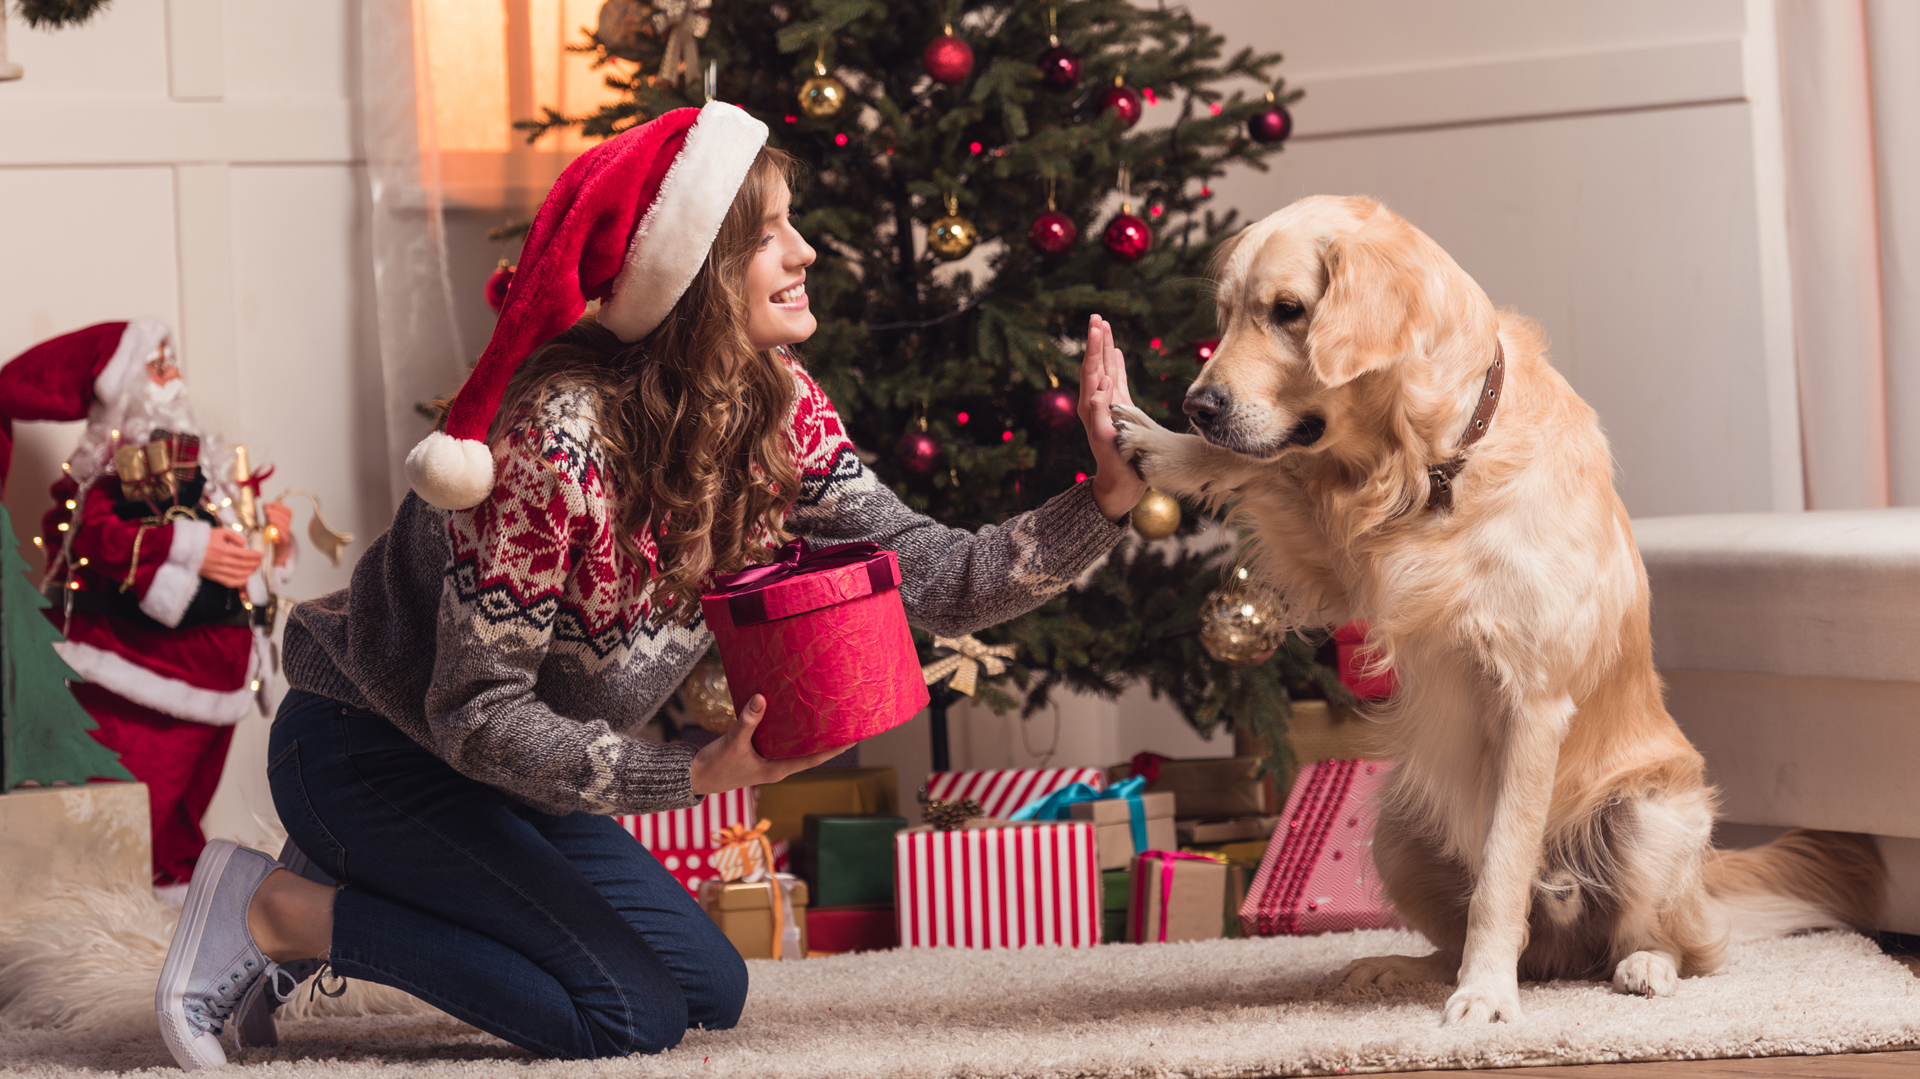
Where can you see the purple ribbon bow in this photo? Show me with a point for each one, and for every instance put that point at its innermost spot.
(744, 590)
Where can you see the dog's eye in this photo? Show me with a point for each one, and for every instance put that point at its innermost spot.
(1285, 311)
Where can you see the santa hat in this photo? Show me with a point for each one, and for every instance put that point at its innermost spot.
(76, 376)
(628, 223)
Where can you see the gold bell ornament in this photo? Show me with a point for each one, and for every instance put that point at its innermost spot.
(1156, 516)
(1241, 623)
(822, 96)
(952, 236)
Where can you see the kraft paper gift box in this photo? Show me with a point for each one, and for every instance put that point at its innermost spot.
(848, 860)
(1202, 832)
(823, 636)
(744, 911)
(1122, 827)
(1318, 874)
(1175, 897)
(1001, 791)
(844, 792)
(693, 866)
(1208, 787)
(998, 885)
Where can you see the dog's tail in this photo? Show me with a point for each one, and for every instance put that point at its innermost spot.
(1802, 880)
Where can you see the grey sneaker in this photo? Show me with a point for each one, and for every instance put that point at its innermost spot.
(253, 1020)
(212, 961)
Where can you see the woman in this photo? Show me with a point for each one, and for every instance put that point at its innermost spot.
(466, 713)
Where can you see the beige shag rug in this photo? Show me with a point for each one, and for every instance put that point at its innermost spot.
(76, 987)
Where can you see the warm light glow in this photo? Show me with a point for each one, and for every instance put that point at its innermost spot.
(1246, 610)
(83, 561)
(1242, 571)
(254, 685)
(75, 585)
(37, 541)
(225, 502)
(69, 503)
(62, 526)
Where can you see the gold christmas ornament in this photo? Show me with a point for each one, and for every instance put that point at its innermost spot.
(823, 96)
(1157, 516)
(952, 236)
(706, 698)
(1240, 622)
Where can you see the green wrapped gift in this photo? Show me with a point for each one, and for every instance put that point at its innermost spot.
(847, 860)
(1114, 885)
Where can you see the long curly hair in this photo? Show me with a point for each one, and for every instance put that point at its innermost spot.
(693, 419)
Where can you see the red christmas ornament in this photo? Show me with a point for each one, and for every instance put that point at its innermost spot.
(1204, 350)
(1127, 237)
(948, 59)
(1273, 125)
(918, 451)
(1060, 68)
(1123, 101)
(1058, 410)
(1052, 234)
(497, 282)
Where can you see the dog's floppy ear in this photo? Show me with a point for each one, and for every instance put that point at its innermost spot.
(1365, 318)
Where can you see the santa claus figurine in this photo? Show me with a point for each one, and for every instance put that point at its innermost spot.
(162, 600)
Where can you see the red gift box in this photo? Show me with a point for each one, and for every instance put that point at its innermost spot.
(1002, 791)
(1015, 886)
(1350, 649)
(822, 635)
(852, 929)
(1318, 874)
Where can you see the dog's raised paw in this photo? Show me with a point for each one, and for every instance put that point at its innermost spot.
(1646, 974)
(1475, 1003)
(1385, 970)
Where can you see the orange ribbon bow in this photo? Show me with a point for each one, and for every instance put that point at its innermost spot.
(745, 855)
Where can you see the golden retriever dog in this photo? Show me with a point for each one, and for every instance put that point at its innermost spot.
(1403, 453)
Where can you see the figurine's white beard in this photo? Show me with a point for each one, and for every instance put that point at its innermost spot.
(146, 408)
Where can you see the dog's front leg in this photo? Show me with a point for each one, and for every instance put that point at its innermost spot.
(1489, 982)
(1178, 464)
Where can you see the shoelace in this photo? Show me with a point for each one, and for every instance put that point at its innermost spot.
(211, 1013)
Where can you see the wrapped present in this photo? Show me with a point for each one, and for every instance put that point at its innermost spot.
(843, 792)
(1124, 820)
(1318, 875)
(1175, 897)
(1116, 885)
(765, 919)
(1004, 790)
(1199, 832)
(1206, 786)
(848, 860)
(1355, 664)
(834, 930)
(693, 866)
(694, 828)
(822, 635)
(1010, 886)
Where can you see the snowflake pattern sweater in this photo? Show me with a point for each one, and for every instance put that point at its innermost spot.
(515, 641)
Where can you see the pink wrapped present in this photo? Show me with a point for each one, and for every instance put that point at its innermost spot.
(1015, 886)
(694, 828)
(823, 636)
(1318, 874)
(1005, 790)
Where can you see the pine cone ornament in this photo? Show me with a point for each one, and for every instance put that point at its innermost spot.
(950, 814)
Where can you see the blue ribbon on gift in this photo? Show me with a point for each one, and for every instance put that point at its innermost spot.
(1055, 806)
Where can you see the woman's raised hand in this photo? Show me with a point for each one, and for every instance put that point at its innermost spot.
(1117, 485)
(732, 762)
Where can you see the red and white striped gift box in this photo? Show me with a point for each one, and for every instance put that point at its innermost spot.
(1005, 790)
(693, 829)
(1014, 887)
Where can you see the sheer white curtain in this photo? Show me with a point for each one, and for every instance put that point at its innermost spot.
(1850, 97)
(421, 351)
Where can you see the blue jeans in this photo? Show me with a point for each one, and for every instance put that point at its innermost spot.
(561, 935)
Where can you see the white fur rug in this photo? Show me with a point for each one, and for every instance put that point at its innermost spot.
(76, 992)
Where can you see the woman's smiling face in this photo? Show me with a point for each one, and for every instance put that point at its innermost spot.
(777, 312)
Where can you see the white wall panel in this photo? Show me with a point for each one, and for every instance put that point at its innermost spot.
(121, 52)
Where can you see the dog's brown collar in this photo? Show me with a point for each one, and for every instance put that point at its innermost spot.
(1440, 476)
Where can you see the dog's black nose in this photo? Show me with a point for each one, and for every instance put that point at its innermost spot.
(1205, 403)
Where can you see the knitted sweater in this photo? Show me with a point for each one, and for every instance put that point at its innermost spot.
(516, 641)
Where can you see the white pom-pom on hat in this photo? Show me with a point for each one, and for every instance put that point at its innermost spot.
(629, 223)
(451, 473)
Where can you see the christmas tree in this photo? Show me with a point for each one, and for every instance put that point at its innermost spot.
(43, 730)
(1002, 134)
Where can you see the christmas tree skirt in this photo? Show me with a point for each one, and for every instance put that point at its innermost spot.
(1259, 1007)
